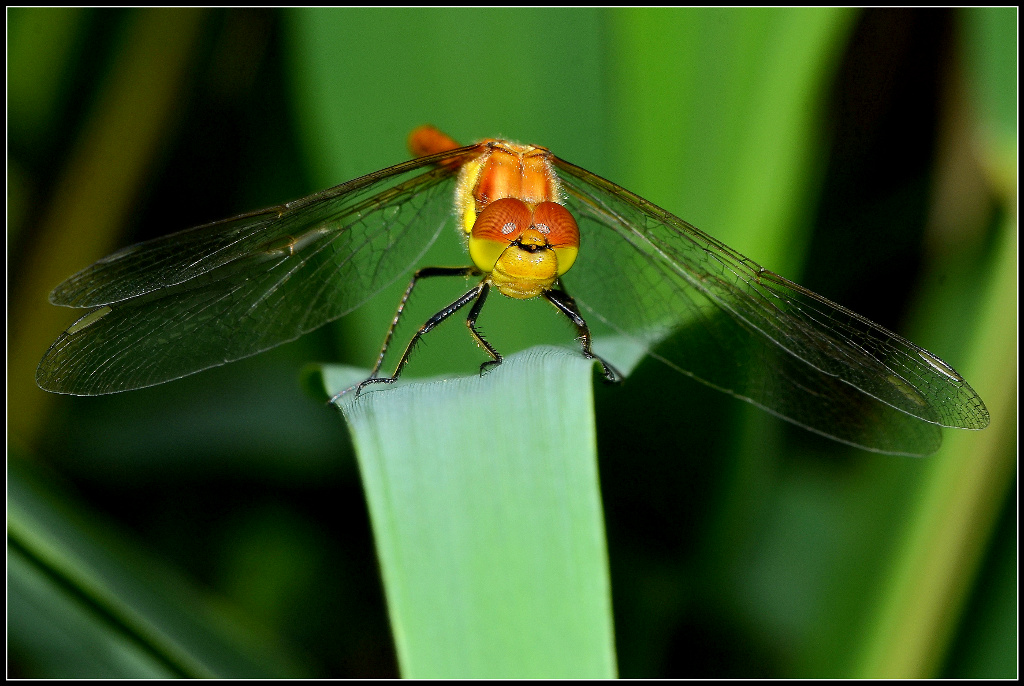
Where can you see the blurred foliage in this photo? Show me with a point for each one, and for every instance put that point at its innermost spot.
(739, 546)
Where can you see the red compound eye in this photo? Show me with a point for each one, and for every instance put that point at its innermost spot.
(557, 224)
(502, 221)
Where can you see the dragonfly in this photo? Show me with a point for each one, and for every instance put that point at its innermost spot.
(535, 226)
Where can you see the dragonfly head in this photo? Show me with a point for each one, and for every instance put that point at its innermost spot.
(524, 249)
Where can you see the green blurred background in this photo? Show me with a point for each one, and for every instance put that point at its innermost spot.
(216, 525)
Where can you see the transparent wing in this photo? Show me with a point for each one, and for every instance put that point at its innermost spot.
(707, 311)
(217, 293)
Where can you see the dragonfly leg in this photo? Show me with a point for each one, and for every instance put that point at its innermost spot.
(471, 323)
(567, 306)
(464, 300)
(420, 274)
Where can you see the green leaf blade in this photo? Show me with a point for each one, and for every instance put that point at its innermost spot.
(484, 498)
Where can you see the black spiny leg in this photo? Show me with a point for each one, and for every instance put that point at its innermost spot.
(469, 297)
(471, 323)
(565, 303)
(424, 273)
